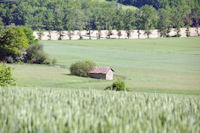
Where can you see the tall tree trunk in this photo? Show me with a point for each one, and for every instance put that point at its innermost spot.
(119, 34)
(138, 34)
(99, 34)
(49, 35)
(178, 32)
(128, 32)
(80, 36)
(197, 31)
(60, 35)
(89, 34)
(188, 32)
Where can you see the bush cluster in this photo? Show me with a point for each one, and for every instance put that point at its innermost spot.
(81, 68)
(118, 85)
(35, 54)
(6, 78)
(29, 34)
(13, 42)
(17, 44)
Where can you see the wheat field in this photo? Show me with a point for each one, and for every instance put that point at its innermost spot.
(50, 110)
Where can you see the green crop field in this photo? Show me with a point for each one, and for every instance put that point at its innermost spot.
(48, 99)
(167, 65)
(156, 85)
(32, 110)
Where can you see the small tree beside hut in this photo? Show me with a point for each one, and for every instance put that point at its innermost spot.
(89, 69)
(81, 68)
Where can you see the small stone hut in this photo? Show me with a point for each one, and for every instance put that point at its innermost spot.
(102, 73)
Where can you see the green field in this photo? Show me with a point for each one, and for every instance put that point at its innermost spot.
(31, 110)
(48, 99)
(170, 65)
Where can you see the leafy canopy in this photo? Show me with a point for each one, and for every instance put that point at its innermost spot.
(13, 42)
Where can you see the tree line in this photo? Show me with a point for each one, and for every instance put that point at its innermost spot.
(95, 15)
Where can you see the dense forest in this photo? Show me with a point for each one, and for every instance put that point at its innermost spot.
(100, 15)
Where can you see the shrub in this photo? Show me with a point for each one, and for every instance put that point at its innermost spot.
(13, 42)
(9, 59)
(6, 76)
(118, 85)
(81, 68)
(36, 54)
(29, 34)
(54, 61)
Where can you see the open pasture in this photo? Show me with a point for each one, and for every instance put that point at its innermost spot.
(169, 65)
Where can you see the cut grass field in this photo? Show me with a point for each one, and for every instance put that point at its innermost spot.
(166, 65)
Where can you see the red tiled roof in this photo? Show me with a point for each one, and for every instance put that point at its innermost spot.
(102, 70)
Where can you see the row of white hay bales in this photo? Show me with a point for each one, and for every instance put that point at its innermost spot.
(113, 34)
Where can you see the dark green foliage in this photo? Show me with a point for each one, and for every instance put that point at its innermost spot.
(97, 15)
(165, 22)
(6, 76)
(13, 42)
(178, 14)
(35, 54)
(14, 46)
(118, 85)
(29, 34)
(1, 23)
(129, 20)
(146, 18)
(81, 68)
(195, 16)
(9, 59)
(160, 3)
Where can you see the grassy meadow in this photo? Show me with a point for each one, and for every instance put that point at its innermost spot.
(166, 65)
